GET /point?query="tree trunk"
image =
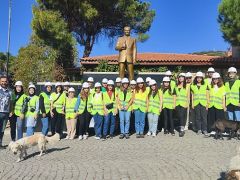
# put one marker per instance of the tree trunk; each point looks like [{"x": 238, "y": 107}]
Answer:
[{"x": 88, "y": 46}]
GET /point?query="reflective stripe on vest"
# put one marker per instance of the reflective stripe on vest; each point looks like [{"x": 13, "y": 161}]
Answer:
[
  {"x": 140, "y": 101},
  {"x": 216, "y": 97},
  {"x": 200, "y": 95},
  {"x": 168, "y": 100},
  {"x": 181, "y": 99}
]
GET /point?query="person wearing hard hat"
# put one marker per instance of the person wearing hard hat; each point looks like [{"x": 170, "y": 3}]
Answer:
[
  {"x": 172, "y": 81},
  {"x": 209, "y": 74},
  {"x": 83, "y": 110},
  {"x": 98, "y": 110},
  {"x": 110, "y": 102},
  {"x": 17, "y": 118},
  {"x": 140, "y": 107},
  {"x": 90, "y": 81},
  {"x": 118, "y": 85},
  {"x": 233, "y": 95},
  {"x": 66, "y": 86},
  {"x": 104, "y": 84},
  {"x": 217, "y": 104},
  {"x": 200, "y": 103},
  {"x": 133, "y": 85},
  {"x": 124, "y": 102},
  {"x": 58, "y": 99},
  {"x": 44, "y": 107},
  {"x": 148, "y": 79},
  {"x": 31, "y": 109},
  {"x": 70, "y": 115},
  {"x": 182, "y": 102},
  {"x": 169, "y": 104},
  {"x": 188, "y": 78},
  {"x": 154, "y": 107}
]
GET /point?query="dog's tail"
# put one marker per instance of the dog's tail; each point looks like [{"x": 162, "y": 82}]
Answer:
[{"x": 55, "y": 138}]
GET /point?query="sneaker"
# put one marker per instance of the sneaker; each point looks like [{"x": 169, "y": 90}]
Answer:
[
  {"x": 225, "y": 134},
  {"x": 205, "y": 133},
  {"x": 85, "y": 136},
  {"x": 111, "y": 137},
  {"x": 212, "y": 133},
  {"x": 181, "y": 133},
  {"x": 199, "y": 132},
  {"x": 141, "y": 135},
  {"x": 137, "y": 135},
  {"x": 127, "y": 136},
  {"x": 173, "y": 133},
  {"x": 149, "y": 133},
  {"x": 165, "y": 131},
  {"x": 97, "y": 138},
  {"x": 80, "y": 137},
  {"x": 104, "y": 138},
  {"x": 153, "y": 134},
  {"x": 67, "y": 137},
  {"x": 121, "y": 136},
  {"x": 108, "y": 136}
]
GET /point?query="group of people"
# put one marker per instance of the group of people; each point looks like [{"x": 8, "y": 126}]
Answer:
[{"x": 198, "y": 102}]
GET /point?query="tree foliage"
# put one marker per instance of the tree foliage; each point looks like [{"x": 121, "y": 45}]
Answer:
[
  {"x": 229, "y": 19},
  {"x": 91, "y": 19},
  {"x": 3, "y": 61}
]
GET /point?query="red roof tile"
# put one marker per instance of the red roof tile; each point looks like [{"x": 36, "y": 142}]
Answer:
[{"x": 166, "y": 59}]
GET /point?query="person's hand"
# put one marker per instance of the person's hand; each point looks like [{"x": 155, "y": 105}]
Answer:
[
  {"x": 21, "y": 116},
  {"x": 44, "y": 115},
  {"x": 35, "y": 116},
  {"x": 52, "y": 114}
]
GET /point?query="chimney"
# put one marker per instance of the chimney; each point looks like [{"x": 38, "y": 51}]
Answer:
[{"x": 236, "y": 51}]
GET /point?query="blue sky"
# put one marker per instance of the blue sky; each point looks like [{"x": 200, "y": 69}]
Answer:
[{"x": 179, "y": 27}]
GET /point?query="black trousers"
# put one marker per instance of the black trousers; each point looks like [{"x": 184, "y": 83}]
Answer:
[
  {"x": 201, "y": 117},
  {"x": 214, "y": 115},
  {"x": 168, "y": 120},
  {"x": 13, "y": 121},
  {"x": 182, "y": 116},
  {"x": 57, "y": 122},
  {"x": 83, "y": 121}
]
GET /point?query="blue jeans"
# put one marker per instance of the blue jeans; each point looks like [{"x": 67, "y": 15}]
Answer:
[
  {"x": 109, "y": 120},
  {"x": 44, "y": 125},
  {"x": 234, "y": 115},
  {"x": 30, "y": 131},
  {"x": 124, "y": 121},
  {"x": 98, "y": 121},
  {"x": 153, "y": 122},
  {"x": 139, "y": 121},
  {"x": 19, "y": 128},
  {"x": 3, "y": 123}
]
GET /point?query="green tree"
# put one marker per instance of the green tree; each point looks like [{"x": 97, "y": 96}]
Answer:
[
  {"x": 229, "y": 19},
  {"x": 90, "y": 19},
  {"x": 50, "y": 29},
  {"x": 3, "y": 61}
]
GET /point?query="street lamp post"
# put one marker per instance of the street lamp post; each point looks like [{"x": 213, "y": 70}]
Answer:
[{"x": 9, "y": 32}]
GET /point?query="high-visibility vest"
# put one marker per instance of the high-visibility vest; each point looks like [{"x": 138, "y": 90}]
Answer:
[
  {"x": 69, "y": 108},
  {"x": 168, "y": 100},
  {"x": 154, "y": 103},
  {"x": 108, "y": 100},
  {"x": 19, "y": 105},
  {"x": 200, "y": 95},
  {"x": 83, "y": 104},
  {"x": 59, "y": 104},
  {"x": 140, "y": 101},
  {"x": 182, "y": 97},
  {"x": 47, "y": 102},
  {"x": 148, "y": 90},
  {"x": 207, "y": 81},
  {"x": 172, "y": 84},
  {"x": 125, "y": 102},
  {"x": 232, "y": 94},
  {"x": 97, "y": 104},
  {"x": 32, "y": 105},
  {"x": 117, "y": 91},
  {"x": 216, "y": 97}
]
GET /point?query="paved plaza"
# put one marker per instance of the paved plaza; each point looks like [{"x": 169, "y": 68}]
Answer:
[{"x": 164, "y": 157}]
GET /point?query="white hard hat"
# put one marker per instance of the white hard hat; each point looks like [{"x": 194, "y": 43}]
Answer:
[
  {"x": 105, "y": 80},
  {"x": 166, "y": 79},
  {"x": 211, "y": 69},
  {"x": 152, "y": 82},
  {"x": 19, "y": 83},
  {"x": 110, "y": 82},
  {"x": 48, "y": 84},
  {"x": 133, "y": 82},
  {"x": 168, "y": 73},
  {"x": 118, "y": 80},
  {"x": 125, "y": 80},
  {"x": 140, "y": 80},
  {"x": 188, "y": 74},
  {"x": 85, "y": 85},
  {"x": 90, "y": 79},
  {"x": 97, "y": 84},
  {"x": 148, "y": 79},
  {"x": 182, "y": 74},
  {"x": 71, "y": 89},
  {"x": 232, "y": 69},
  {"x": 199, "y": 74},
  {"x": 66, "y": 83},
  {"x": 58, "y": 84},
  {"x": 32, "y": 86},
  {"x": 216, "y": 75}
]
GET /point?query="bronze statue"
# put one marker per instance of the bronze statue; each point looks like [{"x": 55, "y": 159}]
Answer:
[{"x": 126, "y": 45}]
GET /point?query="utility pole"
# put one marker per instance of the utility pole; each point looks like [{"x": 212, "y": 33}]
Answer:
[{"x": 9, "y": 33}]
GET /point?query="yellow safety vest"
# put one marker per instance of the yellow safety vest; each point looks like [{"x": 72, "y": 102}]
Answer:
[
  {"x": 47, "y": 102},
  {"x": 216, "y": 97},
  {"x": 97, "y": 104},
  {"x": 140, "y": 101},
  {"x": 32, "y": 104},
  {"x": 125, "y": 102},
  {"x": 108, "y": 100},
  {"x": 69, "y": 108},
  {"x": 232, "y": 94},
  {"x": 154, "y": 103},
  {"x": 200, "y": 95},
  {"x": 168, "y": 100},
  {"x": 19, "y": 105},
  {"x": 59, "y": 104},
  {"x": 182, "y": 97}
]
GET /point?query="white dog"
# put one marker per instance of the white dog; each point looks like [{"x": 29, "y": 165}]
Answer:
[{"x": 23, "y": 144}]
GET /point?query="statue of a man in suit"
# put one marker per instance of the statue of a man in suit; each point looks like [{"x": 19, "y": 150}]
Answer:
[{"x": 126, "y": 45}]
